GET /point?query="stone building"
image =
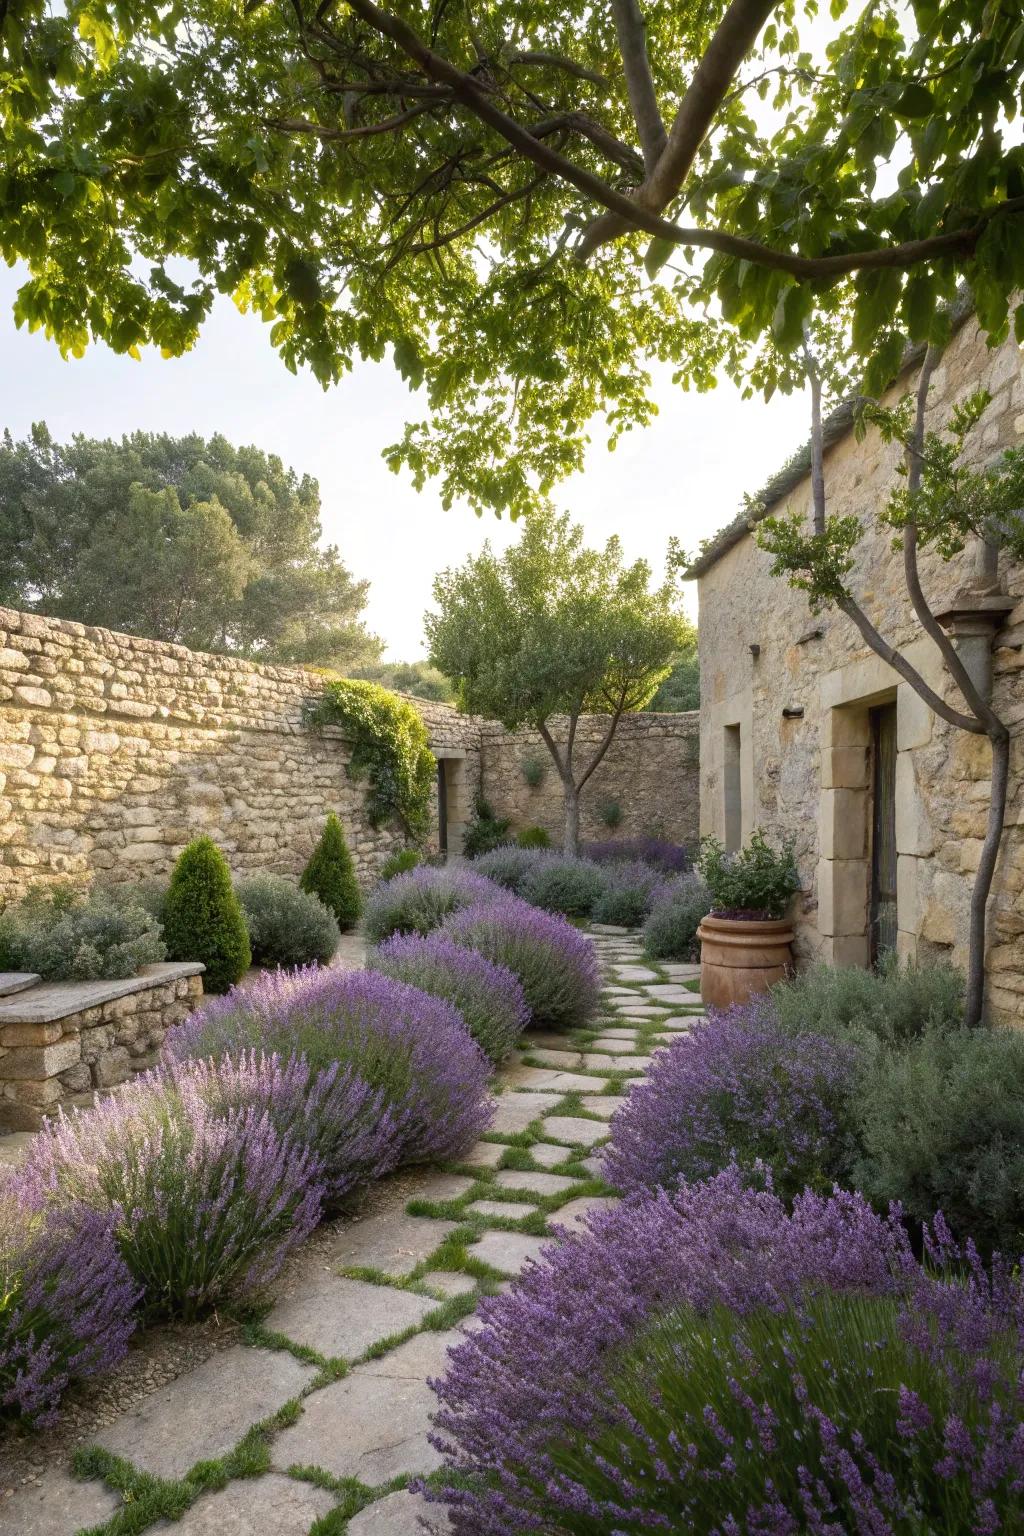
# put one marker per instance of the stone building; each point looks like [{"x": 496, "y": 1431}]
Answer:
[
  {"x": 807, "y": 734},
  {"x": 115, "y": 751}
]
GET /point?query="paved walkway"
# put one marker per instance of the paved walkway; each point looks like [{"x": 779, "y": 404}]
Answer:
[{"x": 319, "y": 1415}]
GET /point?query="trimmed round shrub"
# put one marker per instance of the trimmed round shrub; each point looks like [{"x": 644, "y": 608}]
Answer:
[
  {"x": 670, "y": 858},
  {"x": 349, "y": 1125},
  {"x": 286, "y": 925},
  {"x": 677, "y": 910},
  {"x": 420, "y": 901},
  {"x": 65, "y": 936},
  {"x": 627, "y": 892},
  {"x": 206, "y": 1203},
  {"x": 508, "y": 866},
  {"x": 943, "y": 1129},
  {"x": 564, "y": 885},
  {"x": 66, "y": 1303},
  {"x": 412, "y": 1048},
  {"x": 740, "y": 1089},
  {"x": 538, "y": 1379},
  {"x": 400, "y": 863},
  {"x": 203, "y": 917},
  {"x": 330, "y": 877},
  {"x": 895, "y": 1004},
  {"x": 556, "y": 965},
  {"x": 534, "y": 837},
  {"x": 488, "y": 996}
]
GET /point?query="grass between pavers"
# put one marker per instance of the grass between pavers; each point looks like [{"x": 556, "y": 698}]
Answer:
[{"x": 351, "y": 1494}]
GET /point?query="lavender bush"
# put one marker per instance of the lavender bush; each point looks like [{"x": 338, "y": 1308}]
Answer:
[
  {"x": 556, "y": 965},
  {"x": 353, "y": 1131},
  {"x": 66, "y": 1303},
  {"x": 419, "y": 901},
  {"x": 741, "y": 1089},
  {"x": 670, "y": 858},
  {"x": 628, "y": 889},
  {"x": 560, "y": 883},
  {"x": 488, "y": 996},
  {"x": 411, "y": 1048},
  {"x": 536, "y": 1376},
  {"x": 206, "y": 1202},
  {"x": 509, "y": 866},
  {"x": 677, "y": 909}
]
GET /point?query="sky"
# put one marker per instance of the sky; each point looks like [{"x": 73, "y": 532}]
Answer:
[{"x": 683, "y": 476}]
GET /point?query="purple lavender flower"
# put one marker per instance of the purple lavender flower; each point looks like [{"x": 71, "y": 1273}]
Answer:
[
  {"x": 555, "y": 963},
  {"x": 349, "y": 1125},
  {"x": 533, "y": 1375},
  {"x": 207, "y": 1201},
  {"x": 489, "y": 997},
  {"x": 411, "y": 1048},
  {"x": 419, "y": 901},
  {"x": 670, "y": 858},
  {"x": 740, "y": 1088},
  {"x": 66, "y": 1303}
]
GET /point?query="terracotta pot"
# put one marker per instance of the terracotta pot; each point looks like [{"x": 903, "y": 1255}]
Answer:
[{"x": 739, "y": 957}]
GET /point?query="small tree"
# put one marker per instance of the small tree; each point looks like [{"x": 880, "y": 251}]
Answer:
[
  {"x": 203, "y": 919},
  {"x": 553, "y": 628},
  {"x": 949, "y": 506},
  {"x": 331, "y": 876}
]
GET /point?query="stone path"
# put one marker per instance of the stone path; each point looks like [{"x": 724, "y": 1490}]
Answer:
[{"x": 313, "y": 1423}]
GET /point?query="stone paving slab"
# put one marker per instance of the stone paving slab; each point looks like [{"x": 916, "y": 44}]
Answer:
[
  {"x": 548, "y": 1080},
  {"x": 507, "y": 1251},
  {"x": 390, "y": 1240},
  {"x": 422, "y": 1356},
  {"x": 615, "y": 1046},
  {"x": 670, "y": 992},
  {"x": 581, "y": 1133},
  {"x": 486, "y": 1154},
  {"x": 512, "y": 1210},
  {"x": 399, "y": 1515},
  {"x": 203, "y": 1414},
  {"x": 341, "y": 1318},
  {"x": 604, "y": 1061},
  {"x": 565, "y": 1061},
  {"x": 619, "y": 1034},
  {"x": 372, "y": 1428},
  {"x": 634, "y": 973},
  {"x": 450, "y": 1282},
  {"x": 60, "y": 1506},
  {"x": 54, "y": 1000},
  {"x": 573, "y": 1214},
  {"x": 444, "y": 1186},
  {"x": 535, "y": 1183},
  {"x": 548, "y": 1155},
  {"x": 515, "y": 1111},
  {"x": 260, "y": 1506},
  {"x": 546, "y": 1040},
  {"x": 603, "y": 1104}
]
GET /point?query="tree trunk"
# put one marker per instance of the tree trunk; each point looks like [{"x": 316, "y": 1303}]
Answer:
[
  {"x": 974, "y": 1011},
  {"x": 571, "y": 840}
]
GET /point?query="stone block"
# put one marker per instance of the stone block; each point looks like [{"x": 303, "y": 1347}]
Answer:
[
  {"x": 35, "y": 1063},
  {"x": 908, "y": 892},
  {"x": 849, "y": 949},
  {"x": 842, "y": 824},
  {"x": 842, "y": 896},
  {"x": 400, "y": 1514},
  {"x": 342, "y": 1318},
  {"x": 262, "y": 1506},
  {"x": 31, "y": 1034},
  {"x": 112, "y": 1067},
  {"x": 914, "y": 832},
  {"x": 845, "y": 768},
  {"x": 915, "y": 720}
]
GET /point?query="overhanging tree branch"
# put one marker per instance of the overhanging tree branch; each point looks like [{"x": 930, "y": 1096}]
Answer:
[{"x": 631, "y": 32}]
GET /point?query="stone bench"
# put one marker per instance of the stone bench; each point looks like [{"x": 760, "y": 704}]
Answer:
[{"x": 60, "y": 1041}]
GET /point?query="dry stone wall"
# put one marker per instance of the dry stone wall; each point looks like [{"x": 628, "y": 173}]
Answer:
[
  {"x": 115, "y": 751},
  {"x": 789, "y": 721},
  {"x": 649, "y": 776}
]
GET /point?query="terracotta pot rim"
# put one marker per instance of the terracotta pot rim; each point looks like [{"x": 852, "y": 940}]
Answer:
[{"x": 746, "y": 925}]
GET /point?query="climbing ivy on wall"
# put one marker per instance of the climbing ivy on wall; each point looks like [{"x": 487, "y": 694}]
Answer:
[{"x": 389, "y": 750}]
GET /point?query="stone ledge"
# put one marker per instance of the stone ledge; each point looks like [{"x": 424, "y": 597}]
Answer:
[
  {"x": 17, "y": 981},
  {"x": 59, "y": 999}
]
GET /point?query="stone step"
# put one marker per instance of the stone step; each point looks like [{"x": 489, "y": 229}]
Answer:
[{"x": 17, "y": 981}]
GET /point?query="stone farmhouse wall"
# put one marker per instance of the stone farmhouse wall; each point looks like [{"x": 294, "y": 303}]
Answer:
[
  {"x": 794, "y": 717},
  {"x": 649, "y": 774},
  {"x": 115, "y": 751}
]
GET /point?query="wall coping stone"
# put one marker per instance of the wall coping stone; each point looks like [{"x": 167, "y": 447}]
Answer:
[
  {"x": 17, "y": 981},
  {"x": 59, "y": 999}
]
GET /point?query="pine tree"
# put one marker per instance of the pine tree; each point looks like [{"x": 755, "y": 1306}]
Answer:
[
  {"x": 202, "y": 917},
  {"x": 331, "y": 876}
]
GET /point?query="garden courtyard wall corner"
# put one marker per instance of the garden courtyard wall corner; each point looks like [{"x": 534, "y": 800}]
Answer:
[{"x": 115, "y": 751}]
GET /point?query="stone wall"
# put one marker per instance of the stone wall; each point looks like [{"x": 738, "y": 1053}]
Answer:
[
  {"x": 61, "y": 1042},
  {"x": 115, "y": 751},
  {"x": 649, "y": 774},
  {"x": 786, "y": 729}
]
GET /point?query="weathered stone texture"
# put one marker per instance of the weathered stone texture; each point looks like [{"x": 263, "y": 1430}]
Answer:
[
  {"x": 649, "y": 773},
  {"x": 64, "y": 1060},
  {"x": 115, "y": 751},
  {"x": 808, "y": 776}
]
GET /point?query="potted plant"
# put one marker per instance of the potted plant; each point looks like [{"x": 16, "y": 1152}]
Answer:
[{"x": 746, "y": 938}]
